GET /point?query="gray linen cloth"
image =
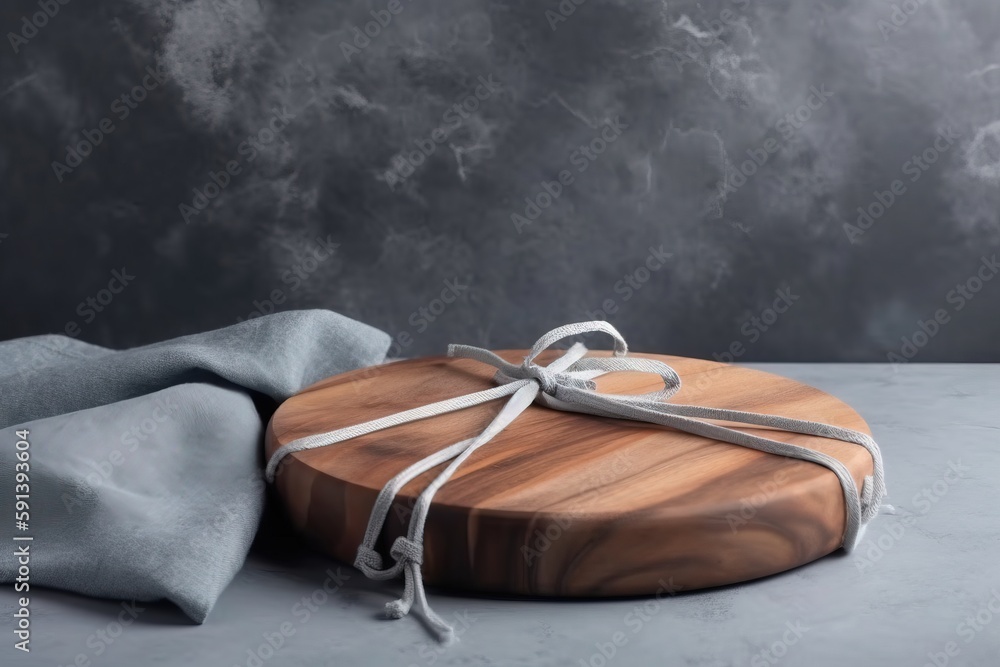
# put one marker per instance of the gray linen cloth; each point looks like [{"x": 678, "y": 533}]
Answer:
[{"x": 145, "y": 464}]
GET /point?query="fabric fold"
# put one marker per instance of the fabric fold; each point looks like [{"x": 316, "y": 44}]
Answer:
[{"x": 144, "y": 470}]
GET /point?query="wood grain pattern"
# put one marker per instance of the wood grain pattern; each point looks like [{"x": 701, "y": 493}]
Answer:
[{"x": 564, "y": 504}]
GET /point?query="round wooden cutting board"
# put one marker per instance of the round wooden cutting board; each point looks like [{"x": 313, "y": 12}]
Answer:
[{"x": 567, "y": 504}]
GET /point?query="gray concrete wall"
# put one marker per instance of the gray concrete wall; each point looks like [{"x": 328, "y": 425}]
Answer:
[{"x": 710, "y": 154}]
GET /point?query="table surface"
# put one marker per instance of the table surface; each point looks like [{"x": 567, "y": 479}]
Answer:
[{"x": 922, "y": 588}]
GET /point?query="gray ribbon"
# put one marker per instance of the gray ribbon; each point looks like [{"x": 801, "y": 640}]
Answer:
[{"x": 567, "y": 384}]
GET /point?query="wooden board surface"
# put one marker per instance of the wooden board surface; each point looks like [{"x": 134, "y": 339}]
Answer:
[{"x": 565, "y": 504}]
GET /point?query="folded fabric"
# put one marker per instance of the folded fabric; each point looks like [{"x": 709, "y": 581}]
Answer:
[{"x": 143, "y": 473}]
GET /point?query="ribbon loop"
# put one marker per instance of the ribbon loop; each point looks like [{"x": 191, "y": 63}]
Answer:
[
  {"x": 368, "y": 558},
  {"x": 577, "y": 329},
  {"x": 567, "y": 384}
]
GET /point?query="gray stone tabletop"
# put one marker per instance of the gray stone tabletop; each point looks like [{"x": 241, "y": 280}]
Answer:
[{"x": 923, "y": 588}]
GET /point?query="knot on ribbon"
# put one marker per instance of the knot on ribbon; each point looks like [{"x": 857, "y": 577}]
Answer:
[
  {"x": 407, "y": 551},
  {"x": 567, "y": 384},
  {"x": 546, "y": 378}
]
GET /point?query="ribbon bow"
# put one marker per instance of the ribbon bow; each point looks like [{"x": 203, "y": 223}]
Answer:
[{"x": 567, "y": 384}]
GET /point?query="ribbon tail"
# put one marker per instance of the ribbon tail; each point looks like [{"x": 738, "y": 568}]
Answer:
[
  {"x": 441, "y": 628},
  {"x": 401, "y": 607},
  {"x": 413, "y": 591},
  {"x": 567, "y": 384}
]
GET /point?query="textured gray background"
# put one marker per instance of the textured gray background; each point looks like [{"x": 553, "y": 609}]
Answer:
[{"x": 690, "y": 120}]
